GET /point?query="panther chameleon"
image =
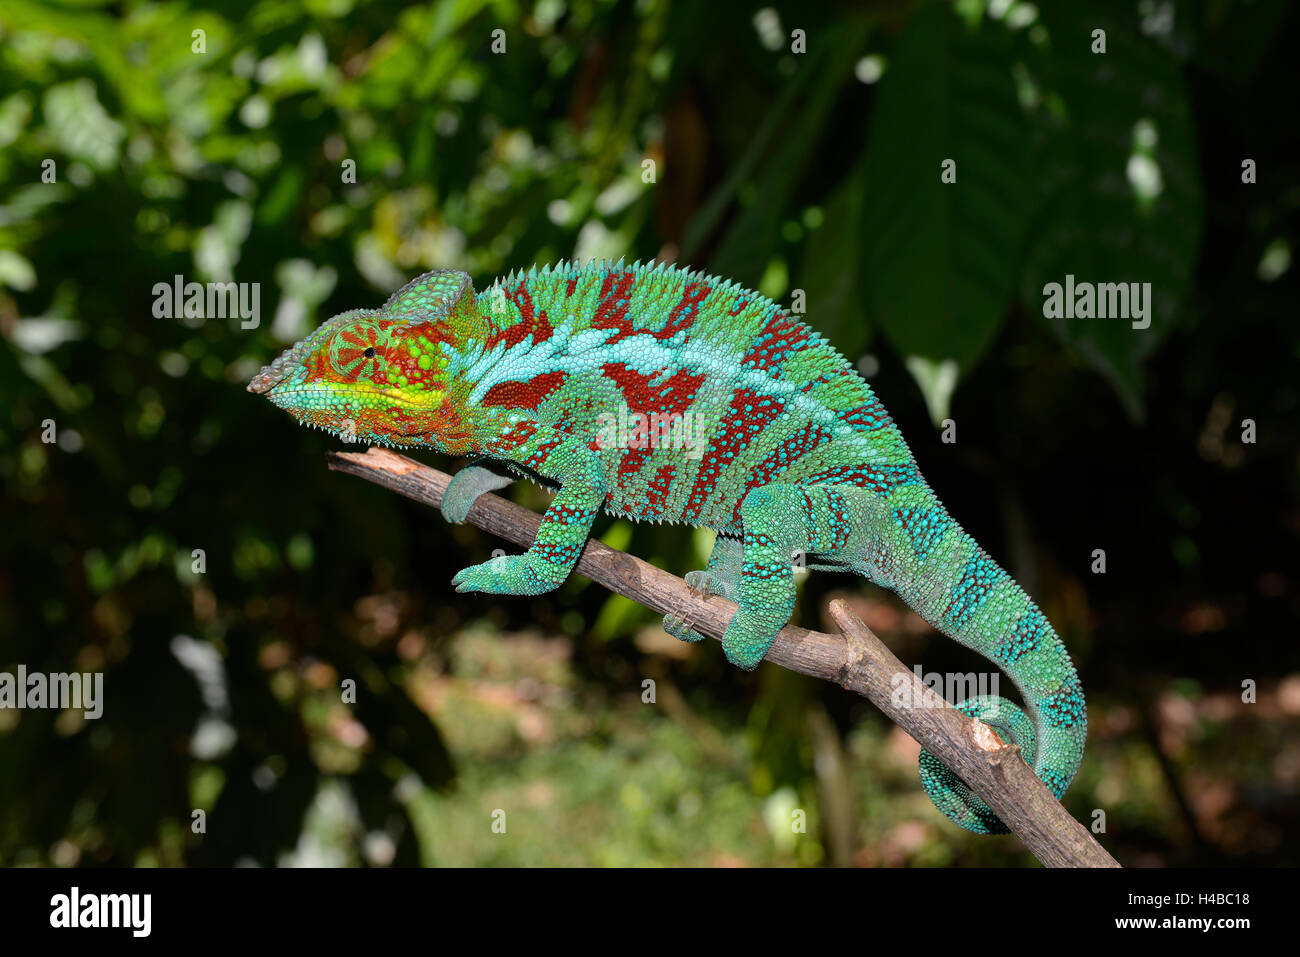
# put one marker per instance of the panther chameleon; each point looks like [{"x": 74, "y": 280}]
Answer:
[{"x": 798, "y": 457}]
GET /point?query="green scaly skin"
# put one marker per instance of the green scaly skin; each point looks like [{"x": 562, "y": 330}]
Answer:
[{"x": 794, "y": 454}]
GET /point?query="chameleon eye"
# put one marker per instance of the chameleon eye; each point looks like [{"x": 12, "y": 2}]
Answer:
[{"x": 357, "y": 350}]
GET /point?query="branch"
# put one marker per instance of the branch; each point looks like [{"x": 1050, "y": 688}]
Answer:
[{"x": 857, "y": 661}]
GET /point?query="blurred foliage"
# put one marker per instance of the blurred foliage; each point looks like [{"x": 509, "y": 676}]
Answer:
[{"x": 134, "y": 150}]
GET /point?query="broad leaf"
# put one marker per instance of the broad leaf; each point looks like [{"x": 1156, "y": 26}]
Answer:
[
  {"x": 940, "y": 259},
  {"x": 1119, "y": 189}
]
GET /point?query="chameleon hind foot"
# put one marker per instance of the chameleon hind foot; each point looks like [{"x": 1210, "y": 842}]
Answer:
[
  {"x": 561, "y": 534},
  {"x": 718, "y": 578},
  {"x": 778, "y": 520},
  {"x": 753, "y": 630},
  {"x": 701, "y": 583}
]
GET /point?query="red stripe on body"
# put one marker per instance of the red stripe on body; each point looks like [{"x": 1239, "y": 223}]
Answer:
[
  {"x": 673, "y": 396},
  {"x": 657, "y": 492},
  {"x": 631, "y": 464},
  {"x": 748, "y": 415},
  {"x": 526, "y": 394},
  {"x": 513, "y": 437},
  {"x": 615, "y": 300},
  {"x": 686, "y": 311},
  {"x": 782, "y": 457},
  {"x": 780, "y": 335},
  {"x": 530, "y": 321}
]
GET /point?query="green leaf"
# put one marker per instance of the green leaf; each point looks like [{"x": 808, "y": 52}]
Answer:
[
  {"x": 80, "y": 126},
  {"x": 1119, "y": 189},
  {"x": 939, "y": 259},
  {"x": 831, "y": 271},
  {"x": 753, "y": 234},
  {"x": 937, "y": 381},
  {"x": 16, "y": 272}
]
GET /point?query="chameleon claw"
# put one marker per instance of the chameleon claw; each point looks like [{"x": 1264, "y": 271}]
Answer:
[{"x": 680, "y": 629}]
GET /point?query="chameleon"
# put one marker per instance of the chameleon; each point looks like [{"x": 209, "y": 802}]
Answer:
[{"x": 662, "y": 394}]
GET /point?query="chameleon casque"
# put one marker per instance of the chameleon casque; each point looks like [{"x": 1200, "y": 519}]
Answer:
[{"x": 797, "y": 456}]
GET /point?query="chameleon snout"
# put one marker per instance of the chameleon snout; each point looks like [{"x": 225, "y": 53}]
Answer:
[{"x": 267, "y": 378}]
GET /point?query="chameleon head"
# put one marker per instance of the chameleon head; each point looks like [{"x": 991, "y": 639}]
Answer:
[{"x": 369, "y": 376}]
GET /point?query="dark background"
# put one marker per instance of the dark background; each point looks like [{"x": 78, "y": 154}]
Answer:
[{"x": 815, "y": 171}]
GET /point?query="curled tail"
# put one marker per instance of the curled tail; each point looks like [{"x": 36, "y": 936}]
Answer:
[{"x": 940, "y": 571}]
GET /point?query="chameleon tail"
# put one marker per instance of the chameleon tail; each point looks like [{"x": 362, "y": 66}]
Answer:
[{"x": 964, "y": 594}]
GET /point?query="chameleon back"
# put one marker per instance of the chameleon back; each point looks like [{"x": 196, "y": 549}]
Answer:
[{"x": 695, "y": 390}]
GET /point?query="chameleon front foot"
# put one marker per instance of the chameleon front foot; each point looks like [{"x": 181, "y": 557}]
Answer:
[
  {"x": 466, "y": 486},
  {"x": 506, "y": 575}
]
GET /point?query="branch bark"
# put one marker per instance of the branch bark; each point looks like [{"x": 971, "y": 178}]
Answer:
[{"x": 855, "y": 660}]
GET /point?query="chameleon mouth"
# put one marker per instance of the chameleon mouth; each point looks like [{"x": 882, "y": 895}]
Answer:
[
  {"x": 366, "y": 425},
  {"x": 321, "y": 398}
]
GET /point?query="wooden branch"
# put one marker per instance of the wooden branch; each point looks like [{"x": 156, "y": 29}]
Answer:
[{"x": 857, "y": 661}]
